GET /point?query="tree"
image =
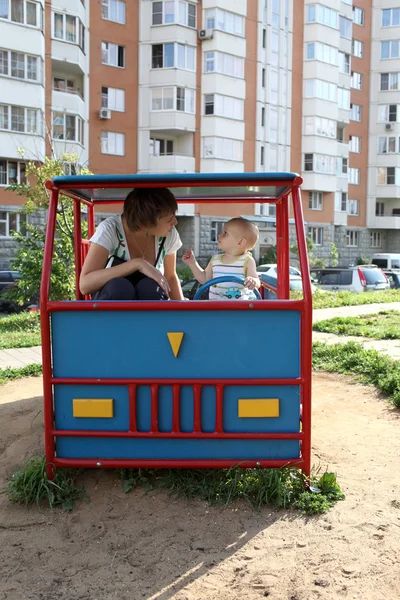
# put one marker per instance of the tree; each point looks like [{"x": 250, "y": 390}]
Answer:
[
  {"x": 334, "y": 255},
  {"x": 29, "y": 255}
]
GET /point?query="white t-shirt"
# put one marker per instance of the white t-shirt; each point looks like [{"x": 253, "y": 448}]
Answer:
[{"x": 110, "y": 234}]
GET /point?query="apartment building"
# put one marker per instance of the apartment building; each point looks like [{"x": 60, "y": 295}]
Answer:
[{"x": 172, "y": 86}]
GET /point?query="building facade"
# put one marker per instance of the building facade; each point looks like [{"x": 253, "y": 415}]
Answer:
[{"x": 179, "y": 86}]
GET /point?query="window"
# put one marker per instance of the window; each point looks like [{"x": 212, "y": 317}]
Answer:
[
  {"x": 316, "y": 235},
  {"x": 343, "y": 165},
  {"x": 355, "y": 144},
  {"x": 112, "y": 55},
  {"x": 262, "y": 152},
  {"x": 386, "y": 145},
  {"x": 20, "y": 119},
  {"x": 112, "y": 143},
  {"x": 320, "y": 126},
  {"x": 113, "y": 10},
  {"x": 343, "y": 98},
  {"x": 263, "y": 78},
  {"x": 67, "y": 127},
  {"x": 223, "y": 20},
  {"x": 379, "y": 209},
  {"x": 20, "y": 66},
  {"x": 351, "y": 238},
  {"x": 11, "y": 171},
  {"x": 173, "y": 98},
  {"x": 341, "y": 201},
  {"x": 353, "y": 208},
  {"x": 26, "y": 12},
  {"x": 264, "y": 38},
  {"x": 275, "y": 13},
  {"x": 340, "y": 132},
  {"x": 223, "y": 106},
  {"x": 354, "y": 176},
  {"x": 223, "y": 148},
  {"x": 226, "y": 64},
  {"x": 355, "y": 112},
  {"x": 263, "y": 116},
  {"x": 64, "y": 85},
  {"x": 358, "y": 15},
  {"x": 11, "y": 221},
  {"x": 357, "y": 48},
  {"x": 320, "y": 163},
  {"x": 322, "y": 52},
  {"x": 390, "y": 17},
  {"x": 387, "y": 176},
  {"x": 316, "y": 88},
  {"x": 376, "y": 239},
  {"x": 161, "y": 147},
  {"x": 345, "y": 26},
  {"x": 174, "y": 11},
  {"x": 216, "y": 229},
  {"x": 113, "y": 98},
  {"x": 315, "y": 200},
  {"x": 344, "y": 63},
  {"x": 356, "y": 80},
  {"x": 387, "y": 113},
  {"x": 390, "y": 49},
  {"x": 317, "y": 13},
  {"x": 389, "y": 81},
  {"x": 166, "y": 56},
  {"x": 69, "y": 29}
]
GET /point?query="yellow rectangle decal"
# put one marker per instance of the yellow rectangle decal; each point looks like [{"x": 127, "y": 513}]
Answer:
[
  {"x": 102, "y": 408},
  {"x": 258, "y": 407}
]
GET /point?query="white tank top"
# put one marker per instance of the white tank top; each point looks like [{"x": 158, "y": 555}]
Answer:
[{"x": 230, "y": 290}]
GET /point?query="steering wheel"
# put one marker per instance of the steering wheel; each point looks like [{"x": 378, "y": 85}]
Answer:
[{"x": 224, "y": 278}]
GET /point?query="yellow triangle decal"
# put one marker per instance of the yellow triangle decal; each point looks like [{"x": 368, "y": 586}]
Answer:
[{"x": 175, "y": 339}]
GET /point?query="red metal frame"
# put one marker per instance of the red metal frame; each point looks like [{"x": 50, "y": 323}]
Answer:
[{"x": 283, "y": 303}]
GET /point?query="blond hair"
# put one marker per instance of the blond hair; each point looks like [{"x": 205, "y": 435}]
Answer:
[{"x": 247, "y": 230}]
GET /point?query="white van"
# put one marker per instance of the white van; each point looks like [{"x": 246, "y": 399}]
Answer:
[{"x": 386, "y": 261}]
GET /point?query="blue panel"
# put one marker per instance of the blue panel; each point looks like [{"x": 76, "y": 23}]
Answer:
[
  {"x": 186, "y": 409},
  {"x": 289, "y": 409},
  {"x": 165, "y": 408},
  {"x": 216, "y": 344},
  {"x": 143, "y": 408},
  {"x": 176, "y": 449},
  {"x": 208, "y": 408},
  {"x": 64, "y": 419}
]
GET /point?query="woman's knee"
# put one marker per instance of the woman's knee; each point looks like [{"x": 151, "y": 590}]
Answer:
[
  {"x": 148, "y": 289},
  {"x": 118, "y": 288}
]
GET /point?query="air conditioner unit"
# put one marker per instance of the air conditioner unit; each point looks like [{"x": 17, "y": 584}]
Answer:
[
  {"x": 105, "y": 113},
  {"x": 205, "y": 34},
  {"x": 389, "y": 126}
]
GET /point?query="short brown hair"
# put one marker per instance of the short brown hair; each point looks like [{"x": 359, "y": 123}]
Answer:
[
  {"x": 247, "y": 229},
  {"x": 143, "y": 207}
]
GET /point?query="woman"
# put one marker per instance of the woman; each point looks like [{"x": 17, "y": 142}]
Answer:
[{"x": 143, "y": 242}]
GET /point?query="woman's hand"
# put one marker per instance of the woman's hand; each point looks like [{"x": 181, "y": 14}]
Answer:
[
  {"x": 188, "y": 257},
  {"x": 149, "y": 271}
]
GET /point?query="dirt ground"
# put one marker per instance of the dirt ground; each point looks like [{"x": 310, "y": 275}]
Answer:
[{"x": 136, "y": 546}]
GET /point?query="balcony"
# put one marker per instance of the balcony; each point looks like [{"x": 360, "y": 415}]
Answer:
[
  {"x": 386, "y": 221},
  {"x": 172, "y": 122},
  {"x": 172, "y": 163}
]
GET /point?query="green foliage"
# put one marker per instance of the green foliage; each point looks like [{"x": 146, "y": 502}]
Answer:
[
  {"x": 20, "y": 331},
  {"x": 369, "y": 365},
  {"x": 184, "y": 273},
  {"x": 382, "y": 326},
  {"x": 334, "y": 255},
  {"x": 6, "y": 375},
  {"x": 30, "y": 485},
  {"x": 314, "y": 262},
  {"x": 363, "y": 260},
  {"x": 280, "y": 488},
  {"x": 269, "y": 257},
  {"x": 29, "y": 255}
]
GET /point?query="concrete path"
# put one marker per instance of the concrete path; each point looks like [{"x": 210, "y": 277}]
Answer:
[{"x": 21, "y": 357}]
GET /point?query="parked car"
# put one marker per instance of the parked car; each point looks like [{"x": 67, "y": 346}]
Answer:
[
  {"x": 386, "y": 261},
  {"x": 364, "y": 278},
  {"x": 271, "y": 285},
  {"x": 7, "y": 281},
  {"x": 190, "y": 287},
  {"x": 272, "y": 269},
  {"x": 393, "y": 277}
]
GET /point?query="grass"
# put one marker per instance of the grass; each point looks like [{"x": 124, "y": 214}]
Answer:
[
  {"x": 281, "y": 488},
  {"x": 336, "y": 299},
  {"x": 6, "y": 375},
  {"x": 384, "y": 325},
  {"x": 369, "y": 366},
  {"x": 30, "y": 485},
  {"x": 20, "y": 331}
]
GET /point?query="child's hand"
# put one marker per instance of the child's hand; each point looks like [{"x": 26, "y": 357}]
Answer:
[
  {"x": 188, "y": 257},
  {"x": 252, "y": 282}
]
